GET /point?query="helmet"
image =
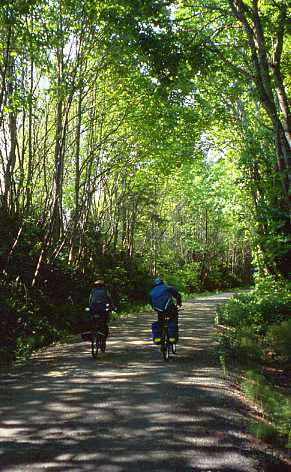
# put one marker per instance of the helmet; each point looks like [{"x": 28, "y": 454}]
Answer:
[
  {"x": 99, "y": 282},
  {"x": 158, "y": 281}
]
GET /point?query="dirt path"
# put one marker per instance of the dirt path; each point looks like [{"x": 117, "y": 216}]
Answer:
[{"x": 129, "y": 410}]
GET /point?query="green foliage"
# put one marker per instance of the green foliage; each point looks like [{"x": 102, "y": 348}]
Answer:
[
  {"x": 259, "y": 320},
  {"x": 30, "y": 318},
  {"x": 185, "y": 278},
  {"x": 263, "y": 431},
  {"x": 268, "y": 303},
  {"x": 275, "y": 405},
  {"x": 202, "y": 241},
  {"x": 246, "y": 343},
  {"x": 259, "y": 326},
  {"x": 165, "y": 164},
  {"x": 278, "y": 339}
]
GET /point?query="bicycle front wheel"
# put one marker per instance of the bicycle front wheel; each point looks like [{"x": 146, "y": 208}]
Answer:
[{"x": 174, "y": 348}]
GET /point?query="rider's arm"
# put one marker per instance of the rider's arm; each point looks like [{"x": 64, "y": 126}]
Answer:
[
  {"x": 179, "y": 299},
  {"x": 151, "y": 301},
  {"x": 112, "y": 305},
  {"x": 176, "y": 295}
]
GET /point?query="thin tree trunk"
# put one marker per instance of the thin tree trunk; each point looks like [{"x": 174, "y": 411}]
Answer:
[
  {"x": 57, "y": 210},
  {"x": 8, "y": 178},
  {"x": 30, "y": 147}
]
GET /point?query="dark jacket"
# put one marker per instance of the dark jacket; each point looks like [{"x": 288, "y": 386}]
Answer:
[
  {"x": 161, "y": 297},
  {"x": 100, "y": 296}
]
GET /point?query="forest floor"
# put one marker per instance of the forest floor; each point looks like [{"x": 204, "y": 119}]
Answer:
[{"x": 129, "y": 411}]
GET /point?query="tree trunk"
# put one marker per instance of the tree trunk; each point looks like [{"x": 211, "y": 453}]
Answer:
[
  {"x": 262, "y": 68},
  {"x": 57, "y": 210},
  {"x": 11, "y": 161}
]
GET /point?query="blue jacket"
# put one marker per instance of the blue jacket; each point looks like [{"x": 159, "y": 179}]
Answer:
[{"x": 161, "y": 297}]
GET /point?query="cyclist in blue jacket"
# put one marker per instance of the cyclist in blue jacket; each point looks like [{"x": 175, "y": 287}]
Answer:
[
  {"x": 101, "y": 305},
  {"x": 161, "y": 299}
]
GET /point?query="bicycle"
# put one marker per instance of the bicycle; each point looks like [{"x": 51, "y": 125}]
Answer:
[
  {"x": 95, "y": 335},
  {"x": 167, "y": 344},
  {"x": 98, "y": 342}
]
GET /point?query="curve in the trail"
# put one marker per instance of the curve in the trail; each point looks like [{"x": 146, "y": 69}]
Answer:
[{"x": 129, "y": 411}]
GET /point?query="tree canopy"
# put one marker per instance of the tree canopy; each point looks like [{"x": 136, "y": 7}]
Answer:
[{"x": 144, "y": 137}]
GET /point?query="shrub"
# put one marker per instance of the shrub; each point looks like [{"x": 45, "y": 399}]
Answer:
[
  {"x": 241, "y": 310},
  {"x": 264, "y": 305},
  {"x": 278, "y": 339},
  {"x": 186, "y": 279},
  {"x": 263, "y": 431},
  {"x": 274, "y": 404},
  {"x": 258, "y": 319},
  {"x": 248, "y": 344}
]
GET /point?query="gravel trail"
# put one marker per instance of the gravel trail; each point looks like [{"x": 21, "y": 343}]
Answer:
[{"x": 129, "y": 411}]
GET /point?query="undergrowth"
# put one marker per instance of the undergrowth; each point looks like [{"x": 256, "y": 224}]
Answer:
[
  {"x": 255, "y": 328},
  {"x": 275, "y": 405}
]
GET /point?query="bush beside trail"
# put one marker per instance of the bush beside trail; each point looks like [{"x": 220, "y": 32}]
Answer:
[
  {"x": 259, "y": 322},
  {"x": 255, "y": 329}
]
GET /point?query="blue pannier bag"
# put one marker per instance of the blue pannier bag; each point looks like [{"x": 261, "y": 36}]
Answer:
[
  {"x": 173, "y": 331},
  {"x": 156, "y": 332}
]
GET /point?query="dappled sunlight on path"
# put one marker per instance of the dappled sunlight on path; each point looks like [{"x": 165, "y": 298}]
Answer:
[{"x": 129, "y": 410}]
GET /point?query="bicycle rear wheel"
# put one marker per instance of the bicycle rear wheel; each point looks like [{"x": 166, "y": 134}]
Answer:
[
  {"x": 95, "y": 345},
  {"x": 165, "y": 346},
  {"x": 103, "y": 343},
  {"x": 166, "y": 352}
]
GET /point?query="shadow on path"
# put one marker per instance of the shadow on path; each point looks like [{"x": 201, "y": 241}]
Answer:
[{"x": 129, "y": 410}]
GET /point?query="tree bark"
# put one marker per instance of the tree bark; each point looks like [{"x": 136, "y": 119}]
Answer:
[{"x": 266, "y": 91}]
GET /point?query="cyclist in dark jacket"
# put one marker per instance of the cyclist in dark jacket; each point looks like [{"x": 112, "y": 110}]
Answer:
[
  {"x": 101, "y": 305},
  {"x": 161, "y": 299}
]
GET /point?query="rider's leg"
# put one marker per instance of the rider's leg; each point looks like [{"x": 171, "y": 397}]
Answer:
[
  {"x": 94, "y": 317},
  {"x": 173, "y": 315},
  {"x": 103, "y": 328},
  {"x": 161, "y": 323},
  {"x": 103, "y": 324},
  {"x": 161, "y": 318}
]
